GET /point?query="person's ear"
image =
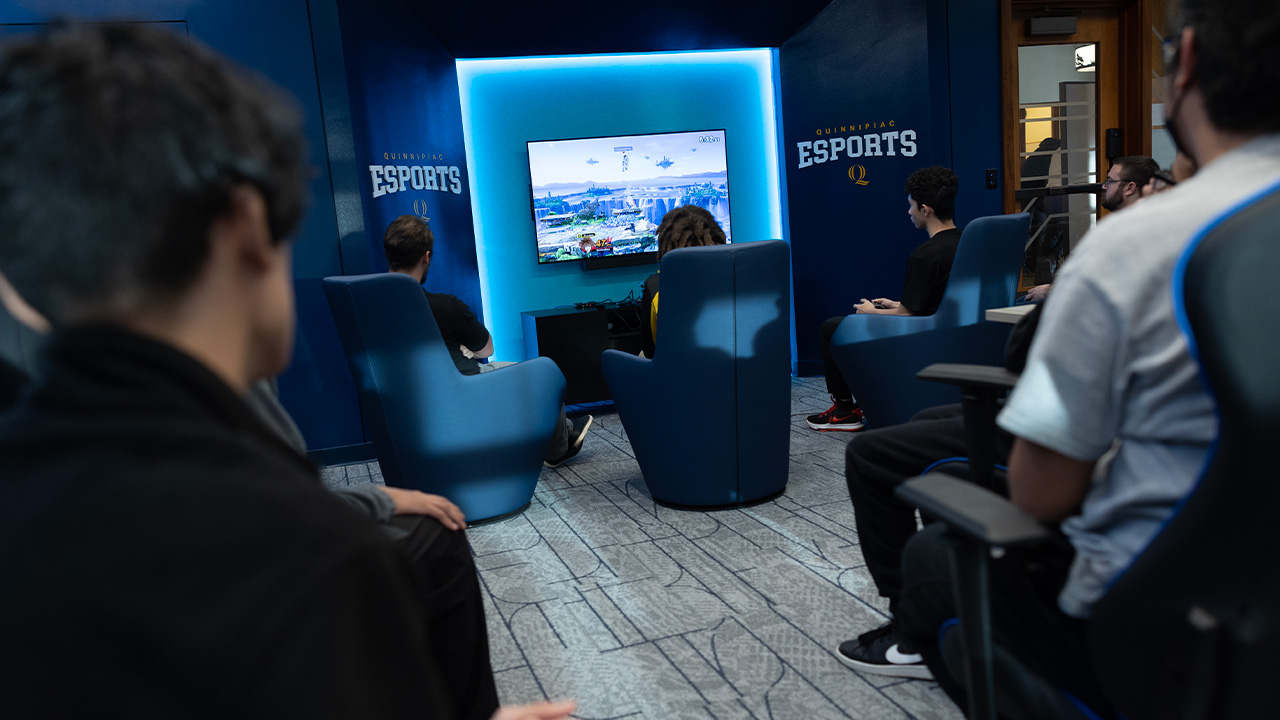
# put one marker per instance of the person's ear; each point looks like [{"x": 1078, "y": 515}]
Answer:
[
  {"x": 246, "y": 220},
  {"x": 1188, "y": 58},
  {"x": 925, "y": 209}
]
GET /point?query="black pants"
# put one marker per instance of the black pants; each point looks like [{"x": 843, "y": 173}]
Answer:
[
  {"x": 836, "y": 384},
  {"x": 456, "y": 629},
  {"x": 877, "y": 461},
  {"x": 1028, "y": 629}
]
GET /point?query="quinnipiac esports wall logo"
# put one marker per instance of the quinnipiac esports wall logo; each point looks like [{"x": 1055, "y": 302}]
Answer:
[
  {"x": 390, "y": 177},
  {"x": 859, "y": 141}
]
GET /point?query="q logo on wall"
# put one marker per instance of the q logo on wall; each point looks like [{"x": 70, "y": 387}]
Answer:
[
  {"x": 420, "y": 209},
  {"x": 858, "y": 174}
]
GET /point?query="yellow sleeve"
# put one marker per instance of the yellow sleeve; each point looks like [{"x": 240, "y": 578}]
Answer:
[{"x": 653, "y": 316}]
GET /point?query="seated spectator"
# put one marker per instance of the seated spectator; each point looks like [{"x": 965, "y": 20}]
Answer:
[
  {"x": 1112, "y": 420},
  {"x": 931, "y": 202},
  {"x": 408, "y": 243},
  {"x": 876, "y": 462},
  {"x": 159, "y": 544},
  {"x": 1125, "y": 185},
  {"x": 682, "y": 227}
]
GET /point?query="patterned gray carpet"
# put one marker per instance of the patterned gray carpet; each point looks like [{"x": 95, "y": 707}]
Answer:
[{"x": 639, "y": 611}]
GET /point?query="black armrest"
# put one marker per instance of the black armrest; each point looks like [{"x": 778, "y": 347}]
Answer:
[
  {"x": 976, "y": 376},
  {"x": 971, "y": 510},
  {"x": 981, "y": 387}
]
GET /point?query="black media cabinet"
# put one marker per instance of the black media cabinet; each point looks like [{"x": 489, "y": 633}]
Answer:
[{"x": 575, "y": 337}]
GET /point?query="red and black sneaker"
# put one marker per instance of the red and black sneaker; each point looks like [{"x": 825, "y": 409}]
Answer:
[{"x": 840, "y": 416}]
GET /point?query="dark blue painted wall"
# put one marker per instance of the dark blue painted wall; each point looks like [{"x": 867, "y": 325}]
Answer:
[
  {"x": 858, "y": 118},
  {"x": 274, "y": 39},
  {"x": 931, "y": 66},
  {"x": 971, "y": 29},
  {"x": 406, "y": 120},
  {"x": 863, "y": 69}
]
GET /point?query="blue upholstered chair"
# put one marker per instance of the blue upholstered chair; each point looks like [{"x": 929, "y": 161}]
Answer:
[
  {"x": 709, "y": 416},
  {"x": 880, "y": 355},
  {"x": 478, "y": 440}
]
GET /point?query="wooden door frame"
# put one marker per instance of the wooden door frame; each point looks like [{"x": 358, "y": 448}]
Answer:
[{"x": 1130, "y": 101}]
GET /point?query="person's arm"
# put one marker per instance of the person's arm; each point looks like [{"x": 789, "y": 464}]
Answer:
[
  {"x": 1039, "y": 292},
  {"x": 483, "y": 352},
  {"x": 367, "y": 604},
  {"x": 370, "y": 500},
  {"x": 416, "y": 502},
  {"x": 475, "y": 339},
  {"x": 888, "y": 307},
  {"x": 1047, "y": 484}
]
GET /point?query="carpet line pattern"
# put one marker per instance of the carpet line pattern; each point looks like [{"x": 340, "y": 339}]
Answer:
[{"x": 639, "y": 611}]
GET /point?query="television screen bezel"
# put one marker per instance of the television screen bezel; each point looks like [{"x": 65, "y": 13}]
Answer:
[{"x": 642, "y": 258}]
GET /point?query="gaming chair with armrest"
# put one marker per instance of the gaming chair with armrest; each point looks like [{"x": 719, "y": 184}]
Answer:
[
  {"x": 709, "y": 416},
  {"x": 478, "y": 440},
  {"x": 879, "y": 355},
  {"x": 1192, "y": 628}
]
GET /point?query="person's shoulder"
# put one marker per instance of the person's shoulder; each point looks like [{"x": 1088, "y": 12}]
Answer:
[
  {"x": 452, "y": 303},
  {"x": 940, "y": 244}
]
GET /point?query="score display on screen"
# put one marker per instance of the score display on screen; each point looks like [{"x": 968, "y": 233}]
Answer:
[{"x": 602, "y": 197}]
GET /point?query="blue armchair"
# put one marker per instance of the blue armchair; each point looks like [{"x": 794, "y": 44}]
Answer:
[
  {"x": 478, "y": 440},
  {"x": 709, "y": 416},
  {"x": 880, "y": 355}
]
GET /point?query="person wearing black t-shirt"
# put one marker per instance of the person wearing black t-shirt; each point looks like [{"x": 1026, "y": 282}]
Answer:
[
  {"x": 931, "y": 200},
  {"x": 407, "y": 244}
]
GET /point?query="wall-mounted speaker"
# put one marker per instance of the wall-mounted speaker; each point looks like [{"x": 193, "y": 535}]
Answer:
[
  {"x": 1052, "y": 25},
  {"x": 1114, "y": 144}
]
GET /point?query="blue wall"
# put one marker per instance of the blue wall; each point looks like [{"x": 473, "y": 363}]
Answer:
[
  {"x": 858, "y": 100},
  {"x": 971, "y": 67},
  {"x": 931, "y": 67},
  {"x": 507, "y": 102},
  {"x": 405, "y": 113},
  {"x": 934, "y": 61},
  {"x": 273, "y": 39}
]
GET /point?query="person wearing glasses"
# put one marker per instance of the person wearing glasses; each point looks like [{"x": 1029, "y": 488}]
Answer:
[
  {"x": 1125, "y": 185},
  {"x": 1111, "y": 418},
  {"x": 1126, "y": 180}
]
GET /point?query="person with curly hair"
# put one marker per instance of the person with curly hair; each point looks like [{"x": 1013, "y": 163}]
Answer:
[
  {"x": 931, "y": 202},
  {"x": 683, "y": 227}
]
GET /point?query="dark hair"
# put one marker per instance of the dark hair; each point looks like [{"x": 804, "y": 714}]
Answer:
[
  {"x": 406, "y": 240},
  {"x": 1136, "y": 169},
  {"x": 119, "y": 148},
  {"x": 1238, "y": 60},
  {"x": 936, "y": 187},
  {"x": 688, "y": 226}
]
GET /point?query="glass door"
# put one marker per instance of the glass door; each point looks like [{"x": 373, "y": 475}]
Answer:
[{"x": 1057, "y": 151}]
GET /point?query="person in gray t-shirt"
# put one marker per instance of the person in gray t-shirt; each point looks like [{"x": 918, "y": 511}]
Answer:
[{"x": 1112, "y": 422}]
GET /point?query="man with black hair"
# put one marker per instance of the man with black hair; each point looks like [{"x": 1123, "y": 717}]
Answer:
[
  {"x": 1125, "y": 185},
  {"x": 1125, "y": 181},
  {"x": 931, "y": 203},
  {"x": 1112, "y": 422},
  {"x": 158, "y": 543},
  {"x": 407, "y": 244},
  {"x": 876, "y": 463}
]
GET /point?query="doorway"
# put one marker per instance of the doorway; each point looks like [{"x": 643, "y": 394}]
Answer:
[{"x": 1066, "y": 82}]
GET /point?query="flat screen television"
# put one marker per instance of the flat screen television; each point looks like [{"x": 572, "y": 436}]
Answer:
[{"x": 596, "y": 198}]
